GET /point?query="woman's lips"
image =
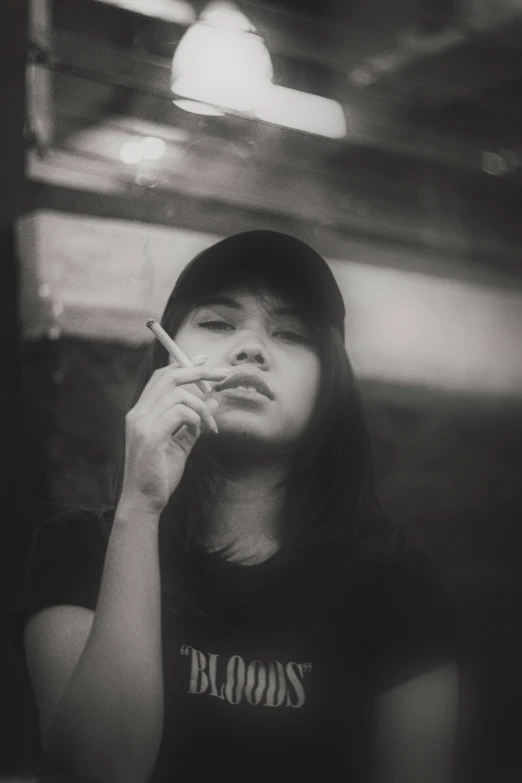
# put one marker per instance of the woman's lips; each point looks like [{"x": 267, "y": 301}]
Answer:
[
  {"x": 244, "y": 394},
  {"x": 246, "y": 382}
]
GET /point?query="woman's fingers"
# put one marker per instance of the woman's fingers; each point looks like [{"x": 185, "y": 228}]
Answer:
[
  {"x": 167, "y": 379},
  {"x": 181, "y": 395},
  {"x": 184, "y": 375},
  {"x": 196, "y": 360},
  {"x": 186, "y": 397},
  {"x": 163, "y": 426},
  {"x": 177, "y": 423}
]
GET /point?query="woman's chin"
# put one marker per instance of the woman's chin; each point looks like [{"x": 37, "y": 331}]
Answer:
[
  {"x": 247, "y": 443},
  {"x": 236, "y": 434},
  {"x": 241, "y": 432}
]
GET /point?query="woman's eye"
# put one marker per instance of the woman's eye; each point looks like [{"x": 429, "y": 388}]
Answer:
[
  {"x": 216, "y": 325},
  {"x": 292, "y": 337}
]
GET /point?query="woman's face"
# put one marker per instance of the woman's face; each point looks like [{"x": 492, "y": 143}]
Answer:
[{"x": 270, "y": 394}]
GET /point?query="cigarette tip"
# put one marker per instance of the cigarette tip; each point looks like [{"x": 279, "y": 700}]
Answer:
[{"x": 151, "y": 321}]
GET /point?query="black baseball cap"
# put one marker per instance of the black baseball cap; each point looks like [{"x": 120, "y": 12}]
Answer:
[{"x": 279, "y": 261}]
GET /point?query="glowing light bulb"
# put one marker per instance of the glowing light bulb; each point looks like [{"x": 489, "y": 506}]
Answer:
[
  {"x": 152, "y": 148},
  {"x": 131, "y": 152}
]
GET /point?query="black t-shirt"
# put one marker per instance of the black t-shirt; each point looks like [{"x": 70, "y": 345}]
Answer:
[{"x": 246, "y": 697}]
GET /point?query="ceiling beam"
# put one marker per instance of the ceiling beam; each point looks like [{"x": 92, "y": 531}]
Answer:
[
  {"x": 428, "y": 244},
  {"x": 453, "y": 64}
]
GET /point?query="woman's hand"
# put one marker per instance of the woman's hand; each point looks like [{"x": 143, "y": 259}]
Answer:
[{"x": 160, "y": 432}]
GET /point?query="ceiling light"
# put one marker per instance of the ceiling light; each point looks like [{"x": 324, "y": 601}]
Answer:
[
  {"x": 303, "y": 111},
  {"x": 198, "y": 108},
  {"x": 222, "y": 63}
]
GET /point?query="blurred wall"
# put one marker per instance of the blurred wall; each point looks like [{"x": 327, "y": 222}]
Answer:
[{"x": 99, "y": 278}]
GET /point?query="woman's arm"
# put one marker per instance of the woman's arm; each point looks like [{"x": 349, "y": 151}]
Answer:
[
  {"x": 416, "y": 726},
  {"x": 102, "y": 710},
  {"x": 98, "y": 676}
]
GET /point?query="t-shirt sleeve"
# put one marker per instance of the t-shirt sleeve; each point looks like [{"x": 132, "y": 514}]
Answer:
[
  {"x": 65, "y": 567},
  {"x": 408, "y": 623}
]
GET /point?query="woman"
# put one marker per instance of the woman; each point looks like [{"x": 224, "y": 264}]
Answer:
[{"x": 244, "y": 610}]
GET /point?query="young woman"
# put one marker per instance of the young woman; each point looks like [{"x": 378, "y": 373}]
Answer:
[{"x": 244, "y": 611}]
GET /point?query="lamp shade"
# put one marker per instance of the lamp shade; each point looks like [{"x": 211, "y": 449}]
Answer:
[{"x": 222, "y": 63}]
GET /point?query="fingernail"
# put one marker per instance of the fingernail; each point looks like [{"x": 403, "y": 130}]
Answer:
[
  {"x": 215, "y": 426},
  {"x": 199, "y": 359}
]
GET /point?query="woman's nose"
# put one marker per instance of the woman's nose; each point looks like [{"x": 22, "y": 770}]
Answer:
[{"x": 249, "y": 350}]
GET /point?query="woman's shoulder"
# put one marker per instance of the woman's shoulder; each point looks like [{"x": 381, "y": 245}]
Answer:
[
  {"x": 377, "y": 551},
  {"x": 398, "y": 574},
  {"x": 65, "y": 565},
  {"x": 385, "y": 558},
  {"x": 390, "y": 582}
]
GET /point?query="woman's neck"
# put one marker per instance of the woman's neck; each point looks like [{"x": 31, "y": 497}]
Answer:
[{"x": 247, "y": 510}]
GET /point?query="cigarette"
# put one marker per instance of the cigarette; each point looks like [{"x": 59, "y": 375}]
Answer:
[{"x": 175, "y": 351}]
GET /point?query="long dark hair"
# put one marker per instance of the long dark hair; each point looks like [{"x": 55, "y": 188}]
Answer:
[{"x": 330, "y": 495}]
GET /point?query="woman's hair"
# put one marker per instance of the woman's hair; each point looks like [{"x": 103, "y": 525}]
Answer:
[{"x": 329, "y": 489}]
